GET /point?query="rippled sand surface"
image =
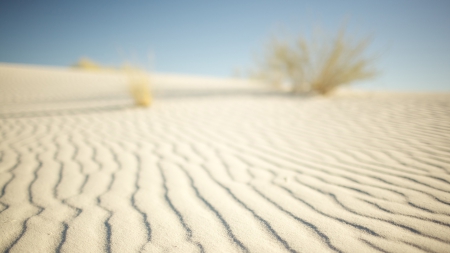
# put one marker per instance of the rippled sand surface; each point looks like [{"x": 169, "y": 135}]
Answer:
[{"x": 211, "y": 167}]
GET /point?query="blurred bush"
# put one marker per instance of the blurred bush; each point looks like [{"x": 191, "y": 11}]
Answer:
[
  {"x": 318, "y": 65},
  {"x": 139, "y": 80}
]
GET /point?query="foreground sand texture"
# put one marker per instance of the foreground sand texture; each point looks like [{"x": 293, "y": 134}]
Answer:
[{"x": 211, "y": 170}]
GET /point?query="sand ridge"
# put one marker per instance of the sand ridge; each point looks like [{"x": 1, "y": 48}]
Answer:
[{"x": 203, "y": 170}]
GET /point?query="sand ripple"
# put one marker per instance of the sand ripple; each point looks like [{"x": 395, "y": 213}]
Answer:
[{"x": 240, "y": 172}]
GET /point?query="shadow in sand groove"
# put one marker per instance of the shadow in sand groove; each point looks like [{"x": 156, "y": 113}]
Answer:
[
  {"x": 64, "y": 112},
  {"x": 187, "y": 93}
]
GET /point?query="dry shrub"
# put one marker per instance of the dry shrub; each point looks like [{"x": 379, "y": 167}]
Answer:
[
  {"x": 139, "y": 86},
  {"x": 319, "y": 65},
  {"x": 87, "y": 64},
  {"x": 139, "y": 81}
]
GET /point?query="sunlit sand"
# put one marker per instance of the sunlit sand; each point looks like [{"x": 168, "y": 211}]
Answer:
[{"x": 217, "y": 165}]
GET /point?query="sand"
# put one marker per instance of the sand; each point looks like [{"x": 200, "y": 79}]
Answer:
[{"x": 217, "y": 166}]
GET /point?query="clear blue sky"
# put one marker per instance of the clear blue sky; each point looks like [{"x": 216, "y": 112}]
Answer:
[{"x": 214, "y": 37}]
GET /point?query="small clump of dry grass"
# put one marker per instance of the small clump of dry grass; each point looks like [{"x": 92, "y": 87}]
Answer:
[
  {"x": 139, "y": 80},
  {"x": 139, "y": 86},
  {"x": 319, "y": 65},
  {"x": 89, "y": 65}
]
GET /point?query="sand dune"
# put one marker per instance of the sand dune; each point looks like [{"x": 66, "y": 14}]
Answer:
[{"x": 218, "y": 166}]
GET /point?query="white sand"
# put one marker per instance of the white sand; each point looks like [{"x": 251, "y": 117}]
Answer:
[{"x": 217, "y": 166}]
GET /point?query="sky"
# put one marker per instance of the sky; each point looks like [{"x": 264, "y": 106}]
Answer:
[{"x": 411, "y": 38}]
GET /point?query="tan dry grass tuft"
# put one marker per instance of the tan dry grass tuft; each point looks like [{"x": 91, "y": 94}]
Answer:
[
  {"x": 319, "y": 65},
  {"x": 139, "y": 80},
  {"x": 139, "y": 86},
  {"x": 87, "y": 64}
]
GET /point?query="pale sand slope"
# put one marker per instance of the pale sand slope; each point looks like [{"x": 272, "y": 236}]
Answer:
[{"x": 240, "y": 171}]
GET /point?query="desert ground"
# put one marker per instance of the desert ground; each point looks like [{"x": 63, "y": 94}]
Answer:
[{"x": 217, "y": 165}]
